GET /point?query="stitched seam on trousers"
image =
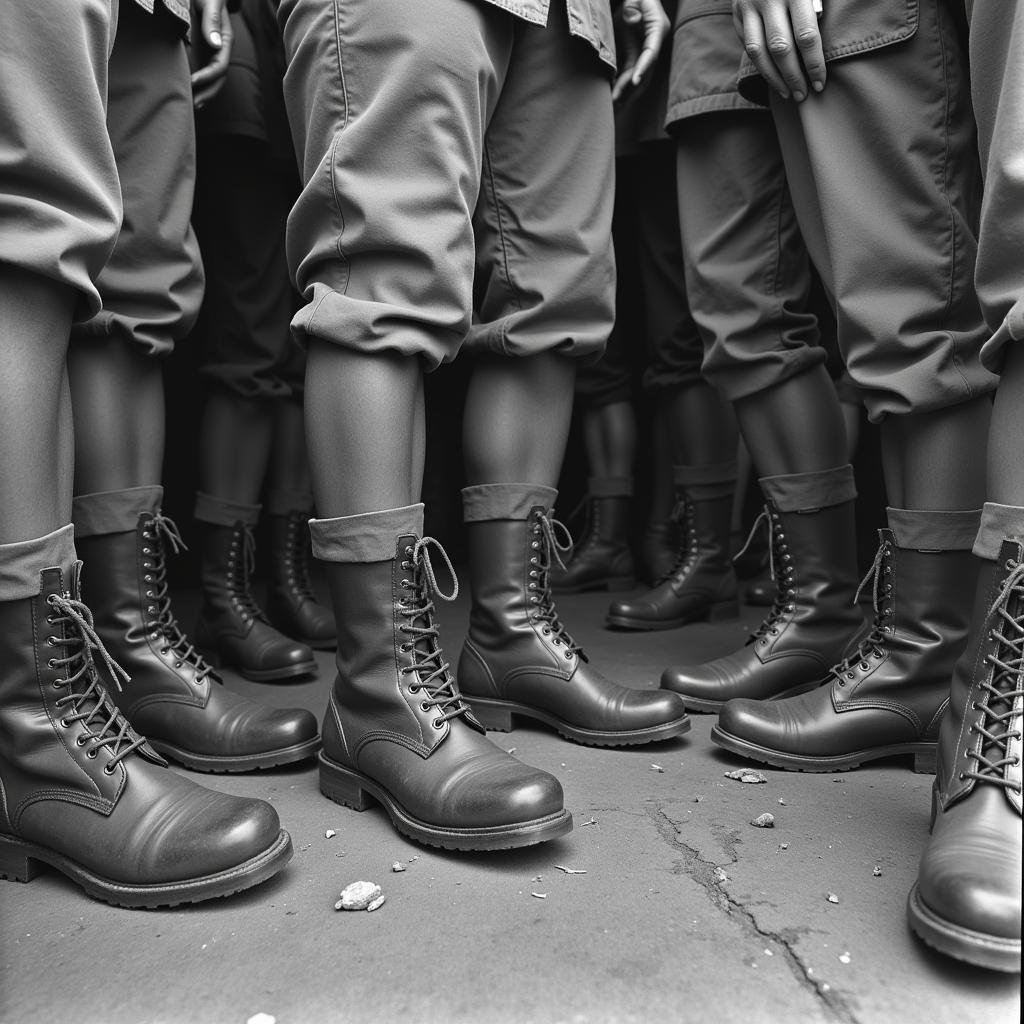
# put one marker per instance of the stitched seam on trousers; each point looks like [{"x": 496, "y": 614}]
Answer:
[
  {"x": 499, "y": 220},
  {"x": 334, "y": 146},
  {"x": 775, "y": 268}
]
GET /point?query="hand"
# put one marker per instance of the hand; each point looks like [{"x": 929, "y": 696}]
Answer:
[
  {"x": 215, "y": 29},
  {"x": 781, "y": 37},
  {"x": 646, "y": 26}
]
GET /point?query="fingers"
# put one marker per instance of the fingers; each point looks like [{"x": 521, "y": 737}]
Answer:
[
  {"x": 757, "y": 50},
  {"x": 208, "y": 80},
  {"x": 783, "y": 49},
  {"x": 210, "y": 24},
  {"x": 804, "y": 19},
  {"x": 622, "y": 83},
  {"x": 781, "y": 37}
]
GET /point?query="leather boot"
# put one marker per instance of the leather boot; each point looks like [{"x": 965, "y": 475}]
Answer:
[
  {"x": 813, "y": 617},
  {"x": 702, "y": 584},
  {"x": 967, "y": 898},
  {"x": 659, "y": 547},
  {"x": 232, "y": 629},
  {"x": 292, "y": 605},
  {"x": 603, "y": 560},
  {"x": 83, "y": 792},
  {"x": 518, "y": 658},
  {"x": 888, "y": 695},
  {"x": 396, "y": 729},
  {"x": 175, "y": 698}
]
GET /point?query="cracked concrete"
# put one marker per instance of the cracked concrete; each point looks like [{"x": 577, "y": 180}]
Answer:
[{"x": 651, "y": 932}]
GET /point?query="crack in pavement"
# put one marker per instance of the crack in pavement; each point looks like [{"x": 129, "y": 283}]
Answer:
[{"x": 707, "y": 875}]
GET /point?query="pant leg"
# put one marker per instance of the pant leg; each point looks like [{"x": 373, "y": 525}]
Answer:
[
  {"x": 388, "y": 103},
  {"x": 60, "y": 205},
  {"x": 545, "y": 275},
  {"x": 997, "y": 86},
  {"x": 152, "y": 285},
  {"x": 883, "y": 170},
  {"x": 747, "y": 273}
]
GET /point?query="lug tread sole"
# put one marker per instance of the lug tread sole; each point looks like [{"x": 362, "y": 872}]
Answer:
[
  {"x": 239, "y": 762},
  {"x": 19, "y": 862},
  {"x": 993, "y": 951},
  {"x": 497, "y": 715},
  {"x": 707, "y": 706},
  {"x": 351, "y": 788},
  {"x": 924, "y": 755}
]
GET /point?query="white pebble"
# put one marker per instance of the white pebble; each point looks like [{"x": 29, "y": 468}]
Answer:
[{"x": 358, "y": 896}]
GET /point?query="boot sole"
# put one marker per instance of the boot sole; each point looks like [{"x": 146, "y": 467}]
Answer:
[
  {"x": 355, "y": 790},
  {"x": 497, "y": 715},
  {"x": 712, "y": 707},
  {"x": 609, "y": 583},
  {"x": 994, "y": 952},
  {"x": 240, "y": 762},
  {"x": 924, "y": 755},
  {"x": 19, "y": 862},
  {"x": 267, "y": 675},
  {"x": 720, "y": 612}
]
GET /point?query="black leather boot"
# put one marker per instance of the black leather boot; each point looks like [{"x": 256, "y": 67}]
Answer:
[
  {"x": 396, "y": 730},
  {"x": 888, "y": 695},
  {"x": 702, "y": 584},
  {"x": 813, "y": 618},
  {"x": 518, "y": 658},
  {"x": 175, "y": 697},
  {"x": 967, "y": 898},
  {"x": 232, "y": 630},
  {"x": 292, "y": 605},
  {"x": 85, "y": 794},
  {"x": 659, "y": 547},
  {"x": 603, "y": 559}
]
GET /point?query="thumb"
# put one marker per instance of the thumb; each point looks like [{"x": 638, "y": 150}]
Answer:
[
  {"x": 631, "y": 12},
  {"x": 211, "y": 24}
]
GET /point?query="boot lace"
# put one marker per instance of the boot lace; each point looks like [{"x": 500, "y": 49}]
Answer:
[
  {"x": 241, "y": 566},
  {"x": 1001, "y": 722},
  {"x": 159, "y": 533},
  {"x": 548, "y": 549},
  {"x": 872, "y": 644},
  {"x": 105, "y": 726},
  {"x": 296, "y": 553},
  {"x": 780, "y": 568},
  {"x": 686, "y": 557},
  {"x": 428, "y": 663}
]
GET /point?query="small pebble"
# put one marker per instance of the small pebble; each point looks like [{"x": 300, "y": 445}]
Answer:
[
  {"x": 697, "y": 799},
  {"x": 261, "y": 1018},
  {"x": 593, "y": 821},
  {"x": 782, "y": 802},
  {"x": 540, "y": 895},
  {"x": 721, "y": 876},
  {"x": 397, "y": 866},
  {"x": 330, "y": 834},
  {"x": 358, "y": 896},
  {"x": 845, "y": 958},
  {"x": 375, "y": 904},
  {"x": 764, "y": 821},
  {"x": 571, "y": 871},
  {"x": 832, "y": 898},
  {"x": 657, "y": 768},
  {"x": 877, "y": 871},
  {"x": 511, "y": 750},
  {"x": 747, "y": 775}
]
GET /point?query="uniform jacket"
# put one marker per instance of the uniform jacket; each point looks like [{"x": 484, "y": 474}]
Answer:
[{"x": 590, "y": 20}]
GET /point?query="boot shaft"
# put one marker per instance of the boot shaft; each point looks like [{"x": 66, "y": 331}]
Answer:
[{"x": 228, "y": 559}]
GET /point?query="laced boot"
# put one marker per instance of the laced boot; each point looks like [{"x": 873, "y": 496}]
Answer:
[
  {"x": 887, "y": 696},
  {"x": 518, "y": 658},
  {"x": 966, "y": 902},
  {"x": 83, "y": 792},
  {"x": 292, "y": 604},
  {"x": 813, "y": 617},
  {"x": 603, "y": 560},
  {"x": 701, "y": 585},
  {"x": 397, "y": 729},
  {"x": 659, "y": 547},
  {"x": 176, "y": 699},
  {"x": 232, "y": 629}
]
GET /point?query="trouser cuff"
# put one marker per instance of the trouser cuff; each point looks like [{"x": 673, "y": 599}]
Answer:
[
  {"x": 504, "y": 501},
  {"x": 927, "y": 530},
  {"x": 998, "y": 523},
  {"x": 219, "y": 512},
  {"x": 607, "y": 487},
  {"x": 368, "y": 537},
  {"x": 804, "y": 492},
  {"x": 707, "y": 482},
  {"x": 21, "y": 563},
  {"x": 114, "y": 511},
  {"x": 281, "y": 503}
]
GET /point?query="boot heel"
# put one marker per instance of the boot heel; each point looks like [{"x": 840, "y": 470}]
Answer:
[
  {"x": 342, "y": 788},
  {"x": 494, "y": 719},
  {"x": 924, "y": 761},
  {"x": 15, "y": 864},
  {"x": 722, "y": 610},
  {"x": 620, "y": 583}
]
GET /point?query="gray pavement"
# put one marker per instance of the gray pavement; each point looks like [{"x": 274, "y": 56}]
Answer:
[{"x": 685, "y": 912}]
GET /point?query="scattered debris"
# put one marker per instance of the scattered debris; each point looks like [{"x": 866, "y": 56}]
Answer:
[
  {"x": 747, "y": 775},
  {"x": 375, "y": 904},
  {"x": 571, "y": 871},
  {"x": 397, "y": 866},
  {"x": 838, "y": 780},
  {"x": 537, "y": 878},
  {"x": 330, "y": 834},
  {"x": 844, "y": 958},
  {"x": 261, "y": 1018},
  {"x": 768, "y": 952},
  {"x": 657, "y": 768},
  {"x": 411, "y": 859},
  {"x": 358, "y": 896},
  {"x": 782, "y": 802},
  {"x": 832, "y": 897},
  {"x": 512, "y": 750},
  {"x": 721, "y": 876},
  {"x": 783, "y": 846},
  {"x": 593, "y": 821},
  {"x": 540, "y": 895},
  {"x": 877, "y": 871},
  {"x": 765, "y": 820},
  {"x": 697, "y": 799}
]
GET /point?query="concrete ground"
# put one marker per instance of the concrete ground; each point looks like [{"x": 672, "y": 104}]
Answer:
[{"x": 673, "y": 908}]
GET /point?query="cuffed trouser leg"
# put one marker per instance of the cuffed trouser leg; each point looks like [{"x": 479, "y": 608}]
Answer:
[{"x": 21, "y": 563}]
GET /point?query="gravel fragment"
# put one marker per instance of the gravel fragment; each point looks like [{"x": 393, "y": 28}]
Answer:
[
  {"x": 397, "y": 866},
  {"x": 844, "y": 958},
  {"x": 832, "y": 897},
  {"x": 783, "y": 846},
  {"x": 877, "y": 871},
  {"x": 765, "y": 820},
  {"x": 593, "y": 821},
  {"x": 330, "y": 834},
  {"x": 358, "y": 896},
  {"x": 540, "y": 895},
  {"x": 782, "y": 802},
  {"x": 747, "y": 775},
  {"x": 697, "y": 799},
  {"x": 571, "y": 871},
  {"x": 261, "y": 1018},
  {"x": 657, "y": 768},
  {"x": 375, "y": 904}
]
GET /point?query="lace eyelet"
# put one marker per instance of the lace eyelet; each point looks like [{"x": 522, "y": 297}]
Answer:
[
  {"x": 850, "y": 675},
  {"x": 51, "y": 619},
  {"x": 405, "y": 583},
  {"x": 52, "y": 663},
  {"x": 962, "y": 776},
  {"x": 415, "y": 688},
  {"x": 91, "y": 753},
  {"x": 437, "y": 723},
  {"x": 52, "y": 641},
  {"x": 568, "y": 655},
  {"x": 841, "y": 683},
  {"x": 81, "y": 741},
  {"x": 65, "y": 724},
  {"x": 108, "y": 769},
  {"x": 1010, "y": 564},
  {"x": 424, "y": 706},
  {"x": 408, "y": 551}
]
